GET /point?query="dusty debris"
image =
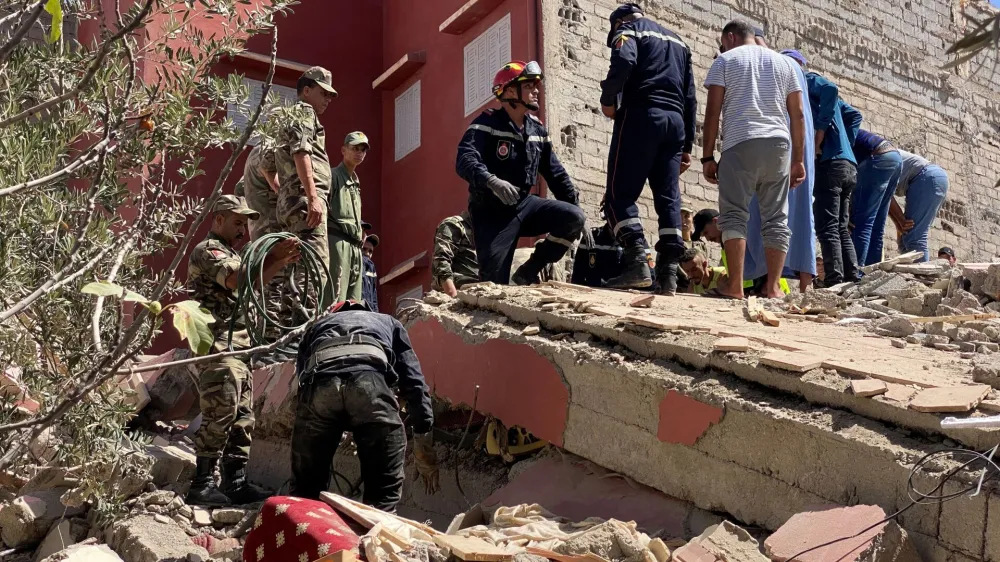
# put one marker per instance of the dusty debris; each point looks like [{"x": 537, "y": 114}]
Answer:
[
  {"x": 87, "y": 551},
  {"x": 26, "y": 520},
  {"x": 531, "y": 330},
  {"x": 868, "y": 387},
  {"x": 895, "y": 327},
  {"x": 143, "y": 539},
  {"x": 730, "y": 543},
  {"x": 644, "y": 301}
]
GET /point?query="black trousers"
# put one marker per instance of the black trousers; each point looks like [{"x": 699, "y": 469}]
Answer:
[
  {"x": 362, "y": 403},
  {"x": 497, "y": 228},
  {"x": 646, "y": 144},
  {"x": 835, "y": 182}
]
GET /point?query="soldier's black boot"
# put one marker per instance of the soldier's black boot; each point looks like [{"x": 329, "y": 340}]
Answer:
[
  {"x": 530, "y": 272},
  {"x": 203, "y": 489},
  {"x": 667, "y": 278},
  {"x": 236, "y": 485},
  {"x": 635, "y": 272}
]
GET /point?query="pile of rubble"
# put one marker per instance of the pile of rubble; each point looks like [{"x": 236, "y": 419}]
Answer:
[
  {"x": 41, "y": 518},
  {"x": 931, "y": 304}
]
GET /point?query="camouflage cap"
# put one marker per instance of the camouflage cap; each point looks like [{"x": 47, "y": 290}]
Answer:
[
  {"x": 322, "y": 77},
  {"x": 236, "y": 205},
  {"x": 356, "y": 138}
]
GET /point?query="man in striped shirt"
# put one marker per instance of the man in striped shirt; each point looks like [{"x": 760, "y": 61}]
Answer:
[{"x": 757, "y": 95}]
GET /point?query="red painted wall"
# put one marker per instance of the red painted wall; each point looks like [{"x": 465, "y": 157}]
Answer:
[
  {"x": 423, "y": 188},
  {"x": 343, "y": 36}
]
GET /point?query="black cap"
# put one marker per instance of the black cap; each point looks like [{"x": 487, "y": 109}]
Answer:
[
  {"x": 619, "y": 13},
  {"x": 701, "y": 220},
  {"x": 948, "y": 251},
  {"x": 373, "y": 238},
  {"x": 365, "y": 225}
]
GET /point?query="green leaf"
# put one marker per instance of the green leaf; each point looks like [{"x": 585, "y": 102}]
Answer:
[
  {"x": 102, "y": 289},
  {"x": 132, "y": 296},
  {"x": 191, "y": 322}
]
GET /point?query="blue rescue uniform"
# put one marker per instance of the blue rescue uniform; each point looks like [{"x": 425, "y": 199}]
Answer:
[
  {"x": 651, "y": 83},
  {"x": 369, "y": 283},
  {"x": 493, "y": 145}
]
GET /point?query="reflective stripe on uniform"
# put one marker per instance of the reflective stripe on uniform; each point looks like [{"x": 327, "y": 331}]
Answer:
[
  {"x": 507, "y": 135},
  {"x": 626, "y": 222},
  {"x": 670, "y": 232},
  {"x": 560, "y": 241},
  {"x": 599, "y": 247},
  {"x": 654, "y": 34}
]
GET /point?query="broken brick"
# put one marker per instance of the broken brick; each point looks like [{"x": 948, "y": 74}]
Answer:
[
  {"x": 644, "y": 301},
  {"x": 868, "y": 387},
  {"x": 884, "y": 542},
  {"x": 694, "y": 552}
]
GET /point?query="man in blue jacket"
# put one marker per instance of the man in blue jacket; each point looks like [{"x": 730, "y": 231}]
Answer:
[
  {"x": 347, "y": 364},
  {"x": 649, "y": 92},
  {"x": 501, "y": 155},
  {"x": 836, "y": 124}
]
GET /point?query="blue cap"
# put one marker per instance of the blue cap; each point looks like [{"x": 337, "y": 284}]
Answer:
[{"x": 795, "y": 55}]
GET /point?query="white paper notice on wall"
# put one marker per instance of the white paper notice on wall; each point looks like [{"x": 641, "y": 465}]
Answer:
[
  {"x": 483, "y": 57},
  {"x": 408, "y": 121},
  {"x": 240, "y": 113}
]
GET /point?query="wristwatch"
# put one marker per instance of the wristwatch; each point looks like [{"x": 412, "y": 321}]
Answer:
[{"x": 707, "y": 159}]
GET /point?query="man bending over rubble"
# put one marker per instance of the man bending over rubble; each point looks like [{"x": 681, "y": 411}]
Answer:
[
  {"x": 226, "y": 385},
  {"x": 346, "y": 365}
]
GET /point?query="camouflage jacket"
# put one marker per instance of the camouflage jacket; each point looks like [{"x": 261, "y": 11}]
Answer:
[
  {"x": 254, "y": 183},
  {"x": 345, "y": 204},
  {"x": 211, "y": 262},
  {"x": 302, "y": 133},
  {"x": 454, "y": 252}
]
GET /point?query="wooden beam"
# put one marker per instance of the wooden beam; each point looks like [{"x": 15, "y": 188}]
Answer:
[
  {"x": 416, "y": 262},
  {"x": 280, "y": 64},
  {"x": 400, "y": 70},
  {"x": 468, "y": 15}
]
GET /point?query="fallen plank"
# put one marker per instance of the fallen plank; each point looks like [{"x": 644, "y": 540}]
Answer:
[
  {"x": 644, "y": 301},
  {"x": 570, "y": 286},
  {"x": 608, "y": 310},
  {"x": 753, "y": 309},
  {"x": 795, "y": 361},
  {"x": 899, "y": 392},
  {"x": 765, "y": 341},
  {"x": 768, "y": 317},
  {"x": 868, "y": 387},
  {"x": 659, "y": 323},
  {"x": 865, "y": 369},
  {"x": 339, "y": 556},
  {"x": 732, "y": 344},
  {"x": 908, "y": 257},
  {"x": 952, "y": 319},
  {"x": 472, "y": 549},
  {"x": 950, "y": 398}
]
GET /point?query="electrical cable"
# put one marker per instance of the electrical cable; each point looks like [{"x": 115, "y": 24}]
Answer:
[
  {"x": 251, "y": 300},
  {"x": 990, "y": 471}
]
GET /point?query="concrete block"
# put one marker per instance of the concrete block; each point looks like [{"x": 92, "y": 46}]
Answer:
[
  {"x": 913, "y": 305},
  {"x": 61, "y": 536},
  {"x": 172, "y": 465},
  {"x": 991, "y": 285},
  {"x": 143, "y": 539},
  {"x": 884, "y": 543},
  {"x": 896, "y": 327},
  {"x": 85, "y": 553},
  {"x": 731, "y": 543},
  {"x": 26, "y": 520},
  {"x": 228, "y": 516},
  {"x": 987, "y": 371},
  {"x": 963, "y": 521}
]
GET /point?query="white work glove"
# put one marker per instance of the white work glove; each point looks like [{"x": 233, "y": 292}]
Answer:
[{"x": 504, "y": 190}]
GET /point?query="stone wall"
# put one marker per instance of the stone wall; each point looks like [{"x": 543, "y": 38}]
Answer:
[{"x": 886, "y": 56}]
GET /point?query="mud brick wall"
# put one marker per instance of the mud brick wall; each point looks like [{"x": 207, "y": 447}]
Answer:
[{"x": 886, "y": 56}]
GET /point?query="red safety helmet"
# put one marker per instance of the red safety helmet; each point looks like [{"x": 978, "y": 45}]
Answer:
[{"x": 516, "y": 72}]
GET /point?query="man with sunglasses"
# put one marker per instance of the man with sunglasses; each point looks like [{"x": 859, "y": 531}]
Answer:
[
  {"x": 344, "y": 227},
  {"x": 650, "y": 93},
  {"x": 501, "y": 155}
]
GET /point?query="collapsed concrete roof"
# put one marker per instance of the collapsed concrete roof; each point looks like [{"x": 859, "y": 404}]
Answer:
[{"x": 642, "y": 392}]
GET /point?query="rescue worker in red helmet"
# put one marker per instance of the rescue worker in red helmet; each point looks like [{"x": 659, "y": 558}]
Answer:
[
  {"x": 346, "y": 365},
  {"x": 501, "y": 155}
]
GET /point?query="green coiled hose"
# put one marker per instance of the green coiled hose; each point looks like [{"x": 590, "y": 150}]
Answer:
[{"x": 251, "y": 301}]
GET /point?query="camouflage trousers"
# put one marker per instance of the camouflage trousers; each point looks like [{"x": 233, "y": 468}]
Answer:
[
  {"x": 292, "y": 212},
  {"x": 265, "y": 203},
  {"x": 346, "y": 267},
  {"x": 226, "y": 390}
]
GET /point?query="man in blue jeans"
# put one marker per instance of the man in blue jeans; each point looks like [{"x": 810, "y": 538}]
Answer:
[
  {"x": 925, "y": 187},
  {"x": 836, "y": 125},
  {"x": 878, "y": 172}
]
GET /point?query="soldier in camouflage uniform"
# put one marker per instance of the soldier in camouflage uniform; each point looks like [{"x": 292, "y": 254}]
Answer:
[
  {"x": 304, "y": 173},
  {"x": 225, "y": 385},
  {"x": 260, "y": 187},
  {"x": 454, "y": 263},
  {"x": 344, "y": 222}
]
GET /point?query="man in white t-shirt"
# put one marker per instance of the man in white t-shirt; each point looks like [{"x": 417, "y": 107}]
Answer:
[{"x": 756, "y": 93}]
